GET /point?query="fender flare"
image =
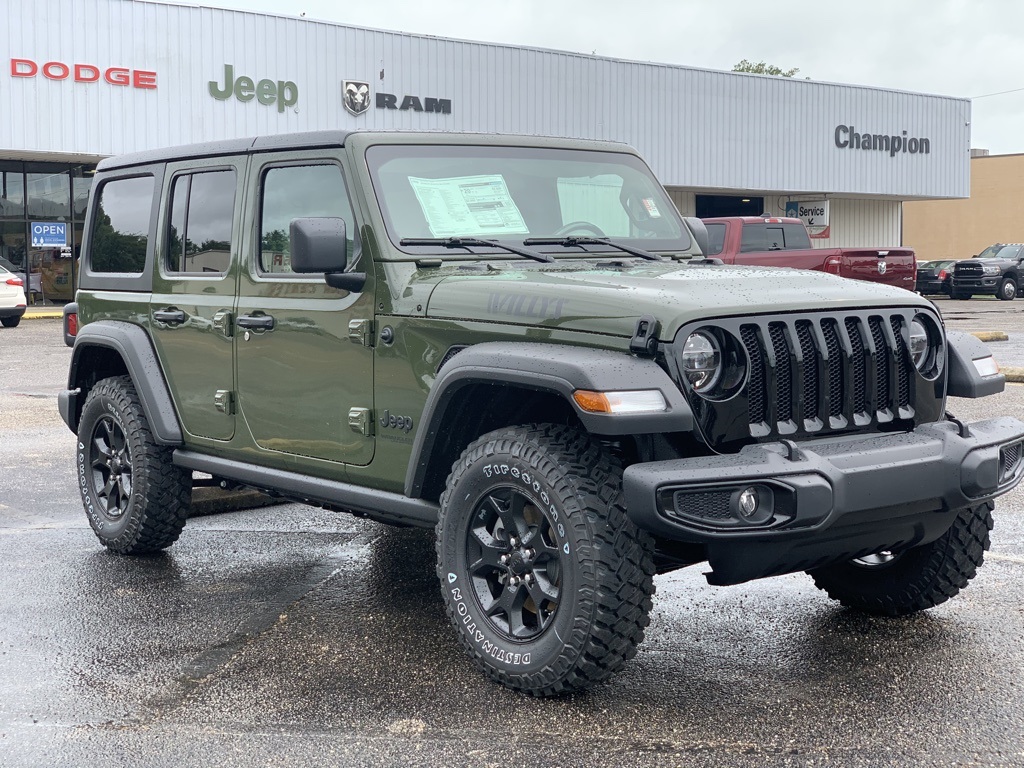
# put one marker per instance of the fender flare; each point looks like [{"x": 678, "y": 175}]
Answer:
[
  {"x": 132, "y": 343},
  {"x": 551, "y": 368},
  {"x": 963, "y": 379}
]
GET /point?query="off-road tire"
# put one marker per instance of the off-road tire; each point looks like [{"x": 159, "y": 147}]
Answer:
[
  {"x": 917, "y": 578},
  {"x": 159, "y": 493},
  {"x": 1007, "y": 289},
  {"x": 10, "y": 322},
  {"x": 605, "y": 563}
]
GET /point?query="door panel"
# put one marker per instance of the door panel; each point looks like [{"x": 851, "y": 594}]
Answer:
[
  {"x": 299, "y": 374},
  {"x": 194, "y": 292}
]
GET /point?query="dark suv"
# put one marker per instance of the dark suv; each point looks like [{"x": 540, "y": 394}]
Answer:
[
  {"x": 996, "y": 271},
  {"x": 517, "y": 341}
]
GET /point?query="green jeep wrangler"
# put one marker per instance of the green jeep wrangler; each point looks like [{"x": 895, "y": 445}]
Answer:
[{"x": 517, "y": 340}]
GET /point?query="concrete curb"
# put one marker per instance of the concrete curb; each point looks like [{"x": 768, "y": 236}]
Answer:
[
  {"x": 43, "y": 315},
  {"x": 991, "y": 335},
  {"x": 1015, "y": 375}
]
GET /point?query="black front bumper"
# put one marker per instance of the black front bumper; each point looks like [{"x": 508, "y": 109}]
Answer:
[
  {"x": 987, "y": 284},
  {"x": 826, "y": 500}
]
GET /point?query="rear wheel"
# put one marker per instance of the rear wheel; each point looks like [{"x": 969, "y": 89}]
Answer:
[
  {"x": 10, "y": 322},
  {"x": 962, "y": 296},
  {"x": 136, "y": 499},
  {"x": 1007, "y": 289},
  {"x": 546, "y": 580},
  {"x": 892, "y": 583}
]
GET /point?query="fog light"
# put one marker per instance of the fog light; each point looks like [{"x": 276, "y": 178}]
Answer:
[{"x": 749, "y": 502}]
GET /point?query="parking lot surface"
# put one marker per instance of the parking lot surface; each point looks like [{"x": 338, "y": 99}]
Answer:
[{"x": 292, "y": 636}]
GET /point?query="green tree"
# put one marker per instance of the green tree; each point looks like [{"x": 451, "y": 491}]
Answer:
[{"x": 763, "y": 68}]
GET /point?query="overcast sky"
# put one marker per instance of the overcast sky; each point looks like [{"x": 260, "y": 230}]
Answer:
[{"x": 952, "y": 47}]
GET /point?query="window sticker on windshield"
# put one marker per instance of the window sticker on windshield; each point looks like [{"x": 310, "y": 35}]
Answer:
[
  {"x": 469, "y": 206},
  {"x": 652, "y": 208}
]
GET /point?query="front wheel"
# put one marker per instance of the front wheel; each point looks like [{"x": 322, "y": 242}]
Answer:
[
  {"x": 1007, "y": 289},
  {"x": 136, "y": 499},
  {"x": 900, "y": 583},
  {"x": 546, "y": 580}
]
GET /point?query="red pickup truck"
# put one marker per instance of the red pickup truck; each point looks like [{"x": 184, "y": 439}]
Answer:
[{"x": 784, "y": 242}]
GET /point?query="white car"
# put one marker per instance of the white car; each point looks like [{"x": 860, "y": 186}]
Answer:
[{"x": 12, "y": 298}]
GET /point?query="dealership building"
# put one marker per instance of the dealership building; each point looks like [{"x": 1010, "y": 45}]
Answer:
[{"x": 84, "y": 79}]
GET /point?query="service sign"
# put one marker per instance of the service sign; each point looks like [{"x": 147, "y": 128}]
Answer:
[{"x": 814, "y": 215}]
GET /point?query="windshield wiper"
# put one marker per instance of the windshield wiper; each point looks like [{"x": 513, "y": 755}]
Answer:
[
  {"x": 476, "y": 242},
  {"x": 575, "y": 242}
]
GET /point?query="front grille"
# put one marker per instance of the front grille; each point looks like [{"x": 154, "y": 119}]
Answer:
[
  {"x": 704, "y": 505},
  {"x": 827, "y": 373},
  {"x": 968, "y": 270},
  {"x": 1009, "y": 458}
]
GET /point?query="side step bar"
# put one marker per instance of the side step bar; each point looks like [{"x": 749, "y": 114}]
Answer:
[{"x": 379, "y": 505}]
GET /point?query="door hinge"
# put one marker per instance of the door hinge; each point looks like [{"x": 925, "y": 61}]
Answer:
[
  {"x": 361, "y": 332},
  {"x": 361, "y": 421},
  {"x": 224, "y": 399}
]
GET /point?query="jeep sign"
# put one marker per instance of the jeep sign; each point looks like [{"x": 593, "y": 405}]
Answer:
[{"x": 284, "y": 93}]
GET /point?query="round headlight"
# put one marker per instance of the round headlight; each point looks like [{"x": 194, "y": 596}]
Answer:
[
  {"x": 701, "y": 361},
  {"x": 919, "y": 344}
]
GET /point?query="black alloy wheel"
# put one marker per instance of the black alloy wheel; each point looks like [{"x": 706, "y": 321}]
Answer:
[
  {"x": 514, "y": 563},
  {"x": 546, "y": 580},
  {"x": 135, "y": 497},
  {"x": 110, "y": 460}
]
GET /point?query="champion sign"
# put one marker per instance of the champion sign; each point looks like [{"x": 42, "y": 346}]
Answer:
[{"x": 84, "y": 73}]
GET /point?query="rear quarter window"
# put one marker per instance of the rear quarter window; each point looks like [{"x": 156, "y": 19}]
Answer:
[{"x": 121, "y": 225}]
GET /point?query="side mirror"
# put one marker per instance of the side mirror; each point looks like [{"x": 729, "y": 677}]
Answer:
[
  {"x": 318, "y": 245},
  {"x": 321, "y": 245},
  {"x": 699, "y": 232}
]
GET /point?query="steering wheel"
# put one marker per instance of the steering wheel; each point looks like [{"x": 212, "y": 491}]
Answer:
[{"x": 579, "y": 227}]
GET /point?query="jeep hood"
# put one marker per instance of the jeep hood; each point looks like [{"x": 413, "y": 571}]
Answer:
[{"x": 609, "y": 299}]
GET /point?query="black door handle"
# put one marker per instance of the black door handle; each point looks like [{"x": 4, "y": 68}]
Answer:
[
  {"x": 256, "y": 322},
  {"x": 170, "y": 316}
]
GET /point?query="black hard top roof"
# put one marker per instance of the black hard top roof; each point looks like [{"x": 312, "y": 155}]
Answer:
[
  {"x": 308, "y": 140},
  {"x": 328, "y": 139}
]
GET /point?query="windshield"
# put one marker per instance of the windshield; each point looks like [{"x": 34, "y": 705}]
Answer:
[
  {"x": 999, "y": 252},
  {"x": 513, "y": 193}
]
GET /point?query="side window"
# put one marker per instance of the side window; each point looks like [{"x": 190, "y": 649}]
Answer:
[
  {"x": 202, "y": 209},
  {"x": 120, "y": 230},
  {"x": 716, "y": 239},
  {"x": 295, "y": 192},
  {"x": 796, "y": 236},
  {"x": 753, "y": 238}
]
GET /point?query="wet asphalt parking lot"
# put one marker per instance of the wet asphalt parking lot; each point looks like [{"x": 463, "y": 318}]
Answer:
[{"x": 292, "y": 636}]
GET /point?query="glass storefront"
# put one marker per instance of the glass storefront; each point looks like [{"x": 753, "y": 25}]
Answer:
[{"x": 54, "y": 197}]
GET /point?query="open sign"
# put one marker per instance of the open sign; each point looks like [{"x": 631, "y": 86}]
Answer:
[{"x": 48, "y": 234}]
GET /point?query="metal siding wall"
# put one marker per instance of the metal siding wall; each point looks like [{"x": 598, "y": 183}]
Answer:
[
  {"x": 684, "y": 200},
  {"x": 699, "y": 129}
]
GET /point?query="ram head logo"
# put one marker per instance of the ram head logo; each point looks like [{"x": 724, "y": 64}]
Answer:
[{"x": 355, "y": 96}]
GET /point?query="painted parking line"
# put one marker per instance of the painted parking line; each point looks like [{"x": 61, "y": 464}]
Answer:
[{"x": 1005, "y": 558}]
